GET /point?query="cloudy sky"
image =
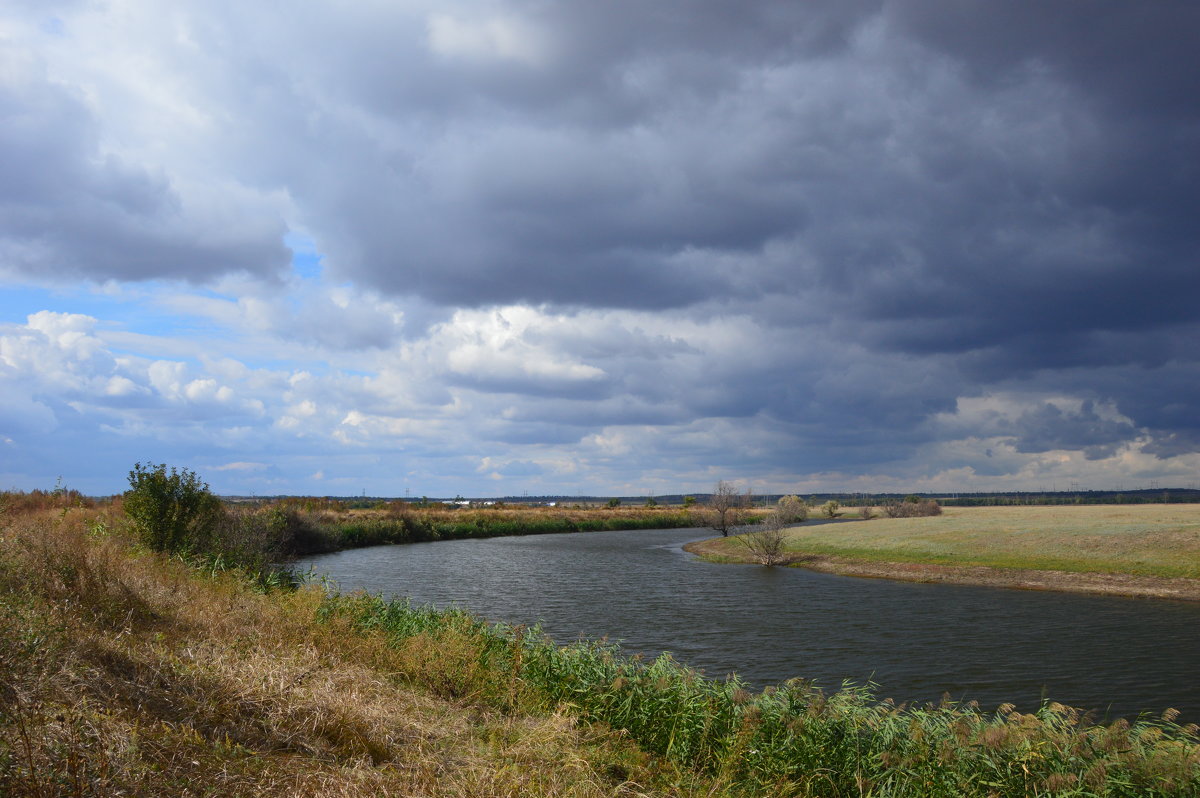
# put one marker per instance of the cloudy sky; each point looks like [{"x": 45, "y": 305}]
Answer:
[{"x": 503, "y": 246}]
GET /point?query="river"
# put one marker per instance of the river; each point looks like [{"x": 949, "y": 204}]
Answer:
[{"x": 1118, "y": 656}]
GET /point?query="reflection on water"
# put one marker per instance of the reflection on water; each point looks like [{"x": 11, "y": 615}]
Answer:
[{"x": 1119, "y": 656}]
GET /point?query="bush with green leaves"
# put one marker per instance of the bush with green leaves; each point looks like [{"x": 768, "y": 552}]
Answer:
[{"x": 172, "y": 511}]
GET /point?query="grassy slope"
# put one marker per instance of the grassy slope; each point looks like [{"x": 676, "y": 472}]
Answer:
[
  {"x": 1150, "y": 540},
  {"x": 126, "y": 674}
]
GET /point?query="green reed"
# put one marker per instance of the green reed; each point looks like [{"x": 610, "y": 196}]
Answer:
[
  {"x": 795, "y": 739},
  {"x": 306, "y": 533}
]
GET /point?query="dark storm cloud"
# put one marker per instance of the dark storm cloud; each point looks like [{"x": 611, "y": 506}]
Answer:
[
  {"x": 659, "y": 155},
  {"x": 1138, "y": 56},
  {"x": 1072, "y": 243},
  {"x": 1050, "y": 427}
]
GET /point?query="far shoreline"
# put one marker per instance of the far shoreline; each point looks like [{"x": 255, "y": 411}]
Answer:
[{"x": 1095, "y": 583}]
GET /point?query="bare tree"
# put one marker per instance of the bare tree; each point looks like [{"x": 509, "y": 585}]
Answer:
[
  {"x": 766, "y": 540},
  {"x": 727, "y": 508}
]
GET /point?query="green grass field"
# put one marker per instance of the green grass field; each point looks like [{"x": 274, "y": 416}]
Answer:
[{"x": 1149, "y": 540}]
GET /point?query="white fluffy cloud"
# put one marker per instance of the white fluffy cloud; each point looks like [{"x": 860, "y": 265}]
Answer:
[{"x": 521, "y": 422}]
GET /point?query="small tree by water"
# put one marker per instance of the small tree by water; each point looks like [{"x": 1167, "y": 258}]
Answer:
[
  {"x": 171, "y": 511},
  {"x": 766, "y": 541},
  {"x": 727, "y": 508}
]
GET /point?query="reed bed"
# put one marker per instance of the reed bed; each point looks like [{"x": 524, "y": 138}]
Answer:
[{"x": 310, "y": 532}]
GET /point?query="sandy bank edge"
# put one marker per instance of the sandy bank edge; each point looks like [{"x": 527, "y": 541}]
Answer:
[{"x": 1020, "y": 579}]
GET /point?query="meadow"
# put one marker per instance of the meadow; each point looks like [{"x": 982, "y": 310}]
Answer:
[
  {"x": 1151, "y": 540},
  {"x": 129, "y": 671}
]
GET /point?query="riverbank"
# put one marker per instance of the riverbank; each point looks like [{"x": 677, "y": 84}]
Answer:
[
  {"x": 1146, "y": 551},
  {"x": 300, "y": 531},
  {"x": 128, "y": 672}
]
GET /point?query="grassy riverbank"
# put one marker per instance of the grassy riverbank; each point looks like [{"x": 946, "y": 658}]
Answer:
[
  {"x": 123, "y": 671},
  {"x": 1132, "y": 549}
]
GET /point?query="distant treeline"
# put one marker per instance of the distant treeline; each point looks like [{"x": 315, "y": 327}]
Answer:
[
  {"x": 1168, "y": 496},
  {"x": 978, "y": 499},
  {"x": 1018, "y": 498}
]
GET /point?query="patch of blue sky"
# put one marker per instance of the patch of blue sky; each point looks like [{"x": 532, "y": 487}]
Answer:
[
  {"x": 307, "y": 265},
  {"x": 18, "y": 302},
  {"x": 306, "y": 258},
  {"x": 131, "y": 309}
]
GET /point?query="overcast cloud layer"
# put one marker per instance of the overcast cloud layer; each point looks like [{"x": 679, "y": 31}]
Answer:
[{"x": 609, "y": 248}]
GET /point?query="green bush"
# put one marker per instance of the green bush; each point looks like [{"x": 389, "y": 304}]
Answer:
[{"x": 172, "y": 512}]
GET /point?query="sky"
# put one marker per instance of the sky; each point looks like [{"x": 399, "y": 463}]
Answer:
[{"x": 498, "y": 247}]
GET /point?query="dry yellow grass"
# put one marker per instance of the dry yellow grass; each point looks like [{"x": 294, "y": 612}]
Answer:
[{"x": 124, "y": 674}]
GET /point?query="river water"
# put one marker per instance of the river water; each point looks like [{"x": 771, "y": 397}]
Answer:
[{"x": 1118, "y": 656}]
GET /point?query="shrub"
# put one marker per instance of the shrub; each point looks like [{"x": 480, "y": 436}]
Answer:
[
  {"x": 171, "y": 512},
  {"x": 831, "y": 508},
  {"x": 792, "y": 510},
  {"x": 907, "y": 509},
  {"x": 766, "y": 541}
]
